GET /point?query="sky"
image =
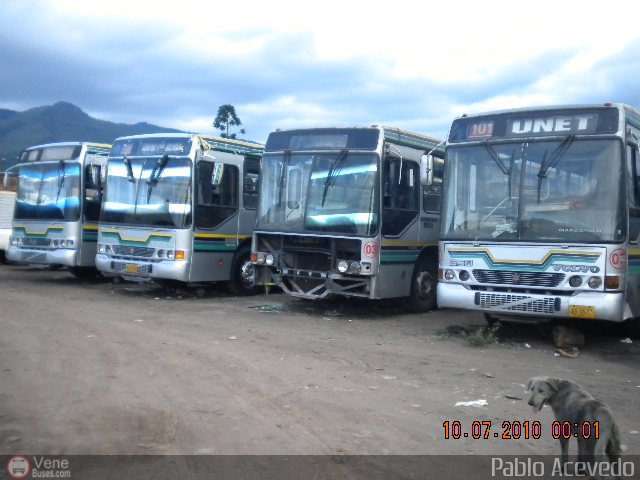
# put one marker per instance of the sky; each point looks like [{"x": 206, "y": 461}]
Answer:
[{"x": 283, "y": 64}]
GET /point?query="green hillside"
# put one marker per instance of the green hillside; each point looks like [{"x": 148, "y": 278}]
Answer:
[{"x": 61, "y": 122}]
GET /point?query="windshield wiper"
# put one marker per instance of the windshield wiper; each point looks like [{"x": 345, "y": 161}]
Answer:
[
  {"x": 60, "y": 179},
  {"x": 127, "y": 163},
  {"x": 555, "y": 157},
  {"x": 494, "y": 155},
  {"x": 152, "y": 181},
  {"x": 333, "y": 173},
  {"x": 283, "y": 173}
]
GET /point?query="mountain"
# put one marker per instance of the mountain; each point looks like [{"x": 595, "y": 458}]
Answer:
[{"x": 61, "y": 122}]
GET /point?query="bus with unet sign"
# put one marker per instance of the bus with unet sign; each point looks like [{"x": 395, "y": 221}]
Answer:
[
  {"x": 180, "y": 208},
  {"x": 353, "y": 212},
  {"x": 58, "y": 199},
  {"x": 541, "y": 214}
]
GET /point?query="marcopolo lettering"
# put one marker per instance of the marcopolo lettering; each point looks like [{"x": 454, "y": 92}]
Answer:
[
  {"x": 552, "y": 125},
  {"x": 577, "y": 268}
]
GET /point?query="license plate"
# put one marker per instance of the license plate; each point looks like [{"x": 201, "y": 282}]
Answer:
[
  {"x": 131, "y": 268},
  {"x": 580, "y": 311}
]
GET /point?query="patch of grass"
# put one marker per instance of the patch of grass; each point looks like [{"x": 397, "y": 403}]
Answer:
[
  {"x": 484, "y": 336},
  {"x": 476, "y": 336}
]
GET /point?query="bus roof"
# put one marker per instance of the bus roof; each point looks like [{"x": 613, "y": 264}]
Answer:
[
  {"x": 555, "y": 108},
  {"x": 230, "y": 145},
  {"x": 65, "y": 144},
  {"x": 394, "y": 135}
]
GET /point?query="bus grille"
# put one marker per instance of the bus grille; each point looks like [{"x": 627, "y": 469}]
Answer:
[
  {"x": 36, "y": 242},
  {"x": 506, "y": 277},
  {"x": 319, "y": 262},
  {"x": 519, "y": 303},
  {"x": 121, "y": 267},
  {"x": 35, "y": 257},
  {"x": 145, "y": 252}
]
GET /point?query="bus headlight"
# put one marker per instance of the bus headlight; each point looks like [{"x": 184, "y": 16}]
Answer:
[
  {"x": 56, "y": 243},
  {"x": 108, "y": 249},
  {"x": 575, "y": 281},
  {"x": 170, "y": 254},
  {"x": 595, "y": 282},
  {"x": 269, "y": 259},
  {"x": 355, "y": 267},
  {"x": 464, "y": 275},
  {"x": 343, "y": 266},
  {"x": 160, "y": 253},
  {"x": 101, "y": 248},
  {"x": 449, "y": 275},
  {"x": 260, "y": 258}
]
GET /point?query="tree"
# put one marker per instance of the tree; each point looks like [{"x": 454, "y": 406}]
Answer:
[{"x": 226, "y": 118}]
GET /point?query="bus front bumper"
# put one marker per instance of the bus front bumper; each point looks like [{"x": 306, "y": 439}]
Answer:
[
  {"x": 165, "y": 269},
  {"x": 55, "y": 256},
  {"x": 582, "y": 305}
]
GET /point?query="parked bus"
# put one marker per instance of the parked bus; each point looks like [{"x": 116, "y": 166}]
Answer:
[
  {"x": 345, "y": 211},
  {"x": 180, "y": 207},
  {"x": 57, "y": 205},
  {"x": 8, "y": 187},
  {"x": 541, "y": 215}
]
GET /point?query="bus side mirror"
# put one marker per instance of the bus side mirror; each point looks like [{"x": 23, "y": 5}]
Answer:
[
  {"x": 426, "y": 170},
  {"x": 10, "y": 180}
]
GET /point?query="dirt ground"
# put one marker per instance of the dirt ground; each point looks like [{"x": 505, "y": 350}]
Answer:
[{"x": 103, "y": 368}]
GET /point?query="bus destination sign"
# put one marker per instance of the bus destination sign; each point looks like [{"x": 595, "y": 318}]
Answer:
[{"x": 535, "y": 124}]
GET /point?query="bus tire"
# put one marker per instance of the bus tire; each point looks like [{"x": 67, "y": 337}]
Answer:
[
  {"x": 424, "y": 284},
  {"x": 242, "y": 281},
  {"x": 490, "y": 319},
  {"x": 84, "y": 273}
]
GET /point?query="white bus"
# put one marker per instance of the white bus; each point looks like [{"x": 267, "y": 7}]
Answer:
[
  {"x": 541, "y": 216},
  {"x": 180, "y": 208},
  {"x": 345, "y": 211},
  {"x": 57, "y": 205}
]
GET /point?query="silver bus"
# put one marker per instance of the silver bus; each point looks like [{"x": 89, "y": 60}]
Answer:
[
  {"x": 180, "y": 207},
  {"x": 346, "y": 211},
  {"x": 541, "y": 215},
  {"x": 57, "y": 205}
]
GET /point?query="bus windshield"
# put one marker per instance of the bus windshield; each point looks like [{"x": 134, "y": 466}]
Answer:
[
  {"x": 48, "y": 191},
  {"x": 557, "y": 191},
  {"x": 328, "y": 193},
  {"x": 148, "y": 191}
]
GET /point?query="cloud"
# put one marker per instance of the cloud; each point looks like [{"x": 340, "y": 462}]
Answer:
[{"x": 342, "y": 63}]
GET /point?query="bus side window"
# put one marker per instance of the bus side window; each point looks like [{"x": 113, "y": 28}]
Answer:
[
  {"x": 216, "y": 201},
  {"x": 400, "y": 195},
  {"x": 250, "y": 183},
  {"x": 432, "y": 195}
]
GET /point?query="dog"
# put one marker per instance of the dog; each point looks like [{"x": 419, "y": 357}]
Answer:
[{"x": 571, "y": 403}]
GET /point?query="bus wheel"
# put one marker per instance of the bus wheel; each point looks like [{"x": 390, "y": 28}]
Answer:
[
  {"x": 423, "y": 286},
  {"x": 491, "y": 320},
  {"x": 84, "y": 273},
  {"x": 243, "y": 278}
]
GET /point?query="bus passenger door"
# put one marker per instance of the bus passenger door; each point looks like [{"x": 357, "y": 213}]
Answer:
[
  {"x": 216, "y": 222},
  {"x": 431, "y": 202}
]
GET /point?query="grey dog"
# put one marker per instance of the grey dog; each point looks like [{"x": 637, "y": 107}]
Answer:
[{"x": 571, "y": 403}]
